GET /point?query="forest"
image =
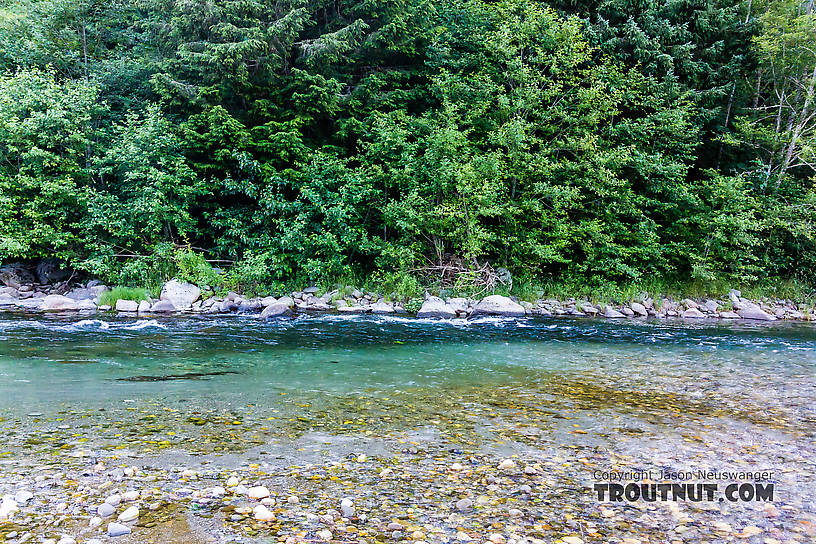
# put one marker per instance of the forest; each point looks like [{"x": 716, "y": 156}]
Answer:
[{"x": 588, "y": 142}]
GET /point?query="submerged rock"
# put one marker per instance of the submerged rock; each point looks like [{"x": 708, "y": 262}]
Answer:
[{"x": 117, "y": 529}]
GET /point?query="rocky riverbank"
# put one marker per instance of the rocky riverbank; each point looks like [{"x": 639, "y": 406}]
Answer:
[{"x": 184, "y": 298}]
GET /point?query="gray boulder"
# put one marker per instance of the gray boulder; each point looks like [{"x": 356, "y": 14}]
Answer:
[
  {"x": 693, "y": 313},
  {"x": 279, "y": 309},
  {"x": 85, "y": 304},
  {"x": 435, "y": 307},
  {"x": 181, "y": 294},
  {"x": 498, "y": 305},
  {"x": 756, "y": 313},
  {"x": 55, "y": 303},
  {"x": 639, "y": 309},
  {"x": 710, "y": 305},
  {"x": 144, "y": 307},
  {"x": 162, "y": 307},
  {"x": 612, "y": 313},
  {"x": 50, "y": 271},
  {"x": 15, "y": 275},
  {"x": 382, "y": 307}
]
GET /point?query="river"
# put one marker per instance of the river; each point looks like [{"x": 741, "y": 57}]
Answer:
[{"x": 407, "y": 418}]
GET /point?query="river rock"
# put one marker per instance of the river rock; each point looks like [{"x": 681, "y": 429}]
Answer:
[
  {"x": 693, "y": 313},
  {"x": 23, "y": 496},
  {"x": 162, "y": 307},
  {"x": 382, "y": 308},
  {"x": 181, "y": 294},
  {"x": 258, "y": 492},
  {"x": 347, "y": 508},
  {"x": 435, "y": 307},
  {"x": 105, "y": 510},
  {"x": 117, "y": 529},
  {"x": 15, "y": 275},
  {"x": 639, "y": 309},
  {"x": 710, "y": 305},
  {"x": 114, "y": 500},
  {"x": 58, "y": 303},
  {"x": 612, "y": 313},
  {"x": 463, "y": 505},
  {"x": 129, "y": 514},
  {"x": 507, "y": 464},
  {"x": 123, "y": 305},
  {"x": 756, "y": 313},
  {"x": 729, "y": 315},
  {"x": 498, "y": 305},
  {"x": 50, "y": 271},
  {"x": 279, "y": 309},
  {"x": 262, "y": 513},
  {"x": 144, "y": 307},
  {"x": 67, "y": 540}
]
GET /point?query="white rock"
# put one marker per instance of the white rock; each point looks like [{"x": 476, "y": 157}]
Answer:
[
  {"x": 114, "y": 500},
  {"x": 507, "y": 464},
  {"x": 67, "y": 540},
  {"x": 262, "y": 513},
  {"x": 572, "y": 540},
  {"x": 232, "y": 481},
  {"x": 293, "y": 499},
  {"x": 325, "y": 534},
  {"x": 7, "y": 508},
  {"x": 257, "y": 492},
  {"x": 23, "y": 496},
  {"x": 189, "y": 474},
  {"x": 130, "y": 495},
  {"x": 129, "y": 515},
  {"x": 347, "y": 508},
  {"x": 95, "y": 521},
  {"x": 117, "y": 529},
  {"x": 123, "y": 305},
  {"x": 215, "y": 492},
  {"x": 105, "y": 510},
  {"x": 180, "y": 294}
]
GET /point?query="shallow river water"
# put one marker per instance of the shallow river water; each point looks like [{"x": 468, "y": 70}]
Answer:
[{"x": 484, "y": 430}]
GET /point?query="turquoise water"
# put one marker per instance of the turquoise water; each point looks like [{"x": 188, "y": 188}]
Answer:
[
  {"x": 49, "y": 361},
  {"x": 575, "y": 395}
]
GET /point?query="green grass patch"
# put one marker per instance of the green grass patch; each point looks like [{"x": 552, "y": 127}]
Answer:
[{"x": 109, "y": 298}]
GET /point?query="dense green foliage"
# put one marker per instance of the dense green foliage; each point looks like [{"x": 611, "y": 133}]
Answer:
[{"x": 593, "y": 142}]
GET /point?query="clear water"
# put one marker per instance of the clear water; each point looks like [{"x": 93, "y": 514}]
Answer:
[
  {"x": 575, "y": 395},
  {"x": 49, "y": 362}
]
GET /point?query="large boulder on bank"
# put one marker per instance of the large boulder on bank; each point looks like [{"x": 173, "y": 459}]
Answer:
[
  {"x": 55, "y": 303},
  {"x": 279, "y": 309},
  {"x": 50, "y": 271},
  {"x": 15, "y": 275},
  {"x": 180, "y": 293},
  {"x": 756, "y": 313},
  {"x": 498, "y": 305},
  {"x": 382, "y": 307},
  {"x": 435, "y": 307}
]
